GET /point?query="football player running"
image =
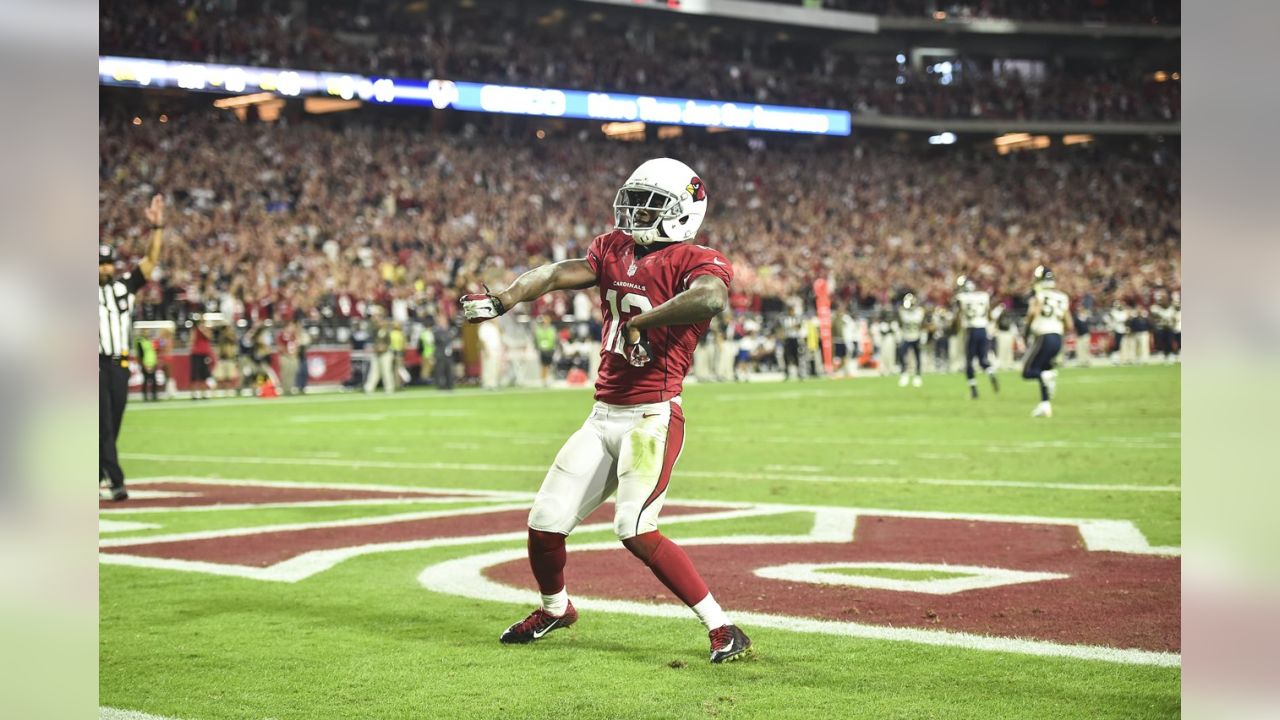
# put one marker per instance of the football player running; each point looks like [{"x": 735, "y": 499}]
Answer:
[
  {"x": 911, "y": 323},
  {"x": 973, "y": 310},
  {"x": 658, "y": 292},
  {"x": 1048, "y": 318}
]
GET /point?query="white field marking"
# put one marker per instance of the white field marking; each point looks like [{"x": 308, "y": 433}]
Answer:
[
  {"x": 942, "y": 456},
  {"x": 108, "y": 713},
  {"x": 114, "y": 526},
  {"x": 714, "y": 475},
  {"x": 464, "y": 577},
  {"x": 974, "y": 577},
  {"x": 376, "y": 415},
  {"x": 307, "y": 564},
  {"x": 931, "y": 442},
  {"x": 794, "y": 468},
  {"x": 443, "y": 495},
  {"x": 777, "y": 395},
  {"x": 459, "y": 493},
  {"x": 287, "y": 527},
  {"x": 346, "y": 398},
  {"x": 288, "y": 505}
]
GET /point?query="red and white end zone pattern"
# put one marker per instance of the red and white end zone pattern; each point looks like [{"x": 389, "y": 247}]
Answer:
[{"x": 1088, "y": 589}]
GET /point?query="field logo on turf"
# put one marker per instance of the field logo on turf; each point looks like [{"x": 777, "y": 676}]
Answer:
[{"x": 1092, "y": 589}]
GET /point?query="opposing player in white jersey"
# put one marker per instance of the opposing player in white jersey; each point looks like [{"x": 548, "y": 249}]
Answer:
[
  {"x": 1048, "y": 319},
  {"x": 911, "y": 329},
  {"x": 973, "y": 313}
]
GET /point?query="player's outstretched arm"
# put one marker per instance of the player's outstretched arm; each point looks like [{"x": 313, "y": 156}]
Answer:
[
  {"x": 706, "y": 297},
  {"x": 564, "y": 275}
]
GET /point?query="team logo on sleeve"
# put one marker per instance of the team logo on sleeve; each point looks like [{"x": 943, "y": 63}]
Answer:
[{"x": 696, "y": 189}]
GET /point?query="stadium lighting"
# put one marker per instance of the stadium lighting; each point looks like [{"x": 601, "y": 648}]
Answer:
[
  {"x": 1077, "y": 139},
  {"x": 1160, "y": 76},
  {"x": 901, "y": 58},
  {"x": 1012, "y": 138},
  {"x": 320, "y": 106},
  {"x": 471, "y": 97},
  {"x": 623, "y": 130},
  {"x": 946, "y": 138},
  {"x": 243, "y": 100},
  {"x": 1010, "y": 142}
]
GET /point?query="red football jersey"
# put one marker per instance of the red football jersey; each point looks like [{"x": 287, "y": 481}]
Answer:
[{"x": 630, "y": 286}]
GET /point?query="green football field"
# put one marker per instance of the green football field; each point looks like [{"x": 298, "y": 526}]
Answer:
[{"x": 350, "y": 556}]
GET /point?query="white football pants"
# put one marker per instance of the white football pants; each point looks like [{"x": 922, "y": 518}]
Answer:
[{"x": 628, "y": 448}]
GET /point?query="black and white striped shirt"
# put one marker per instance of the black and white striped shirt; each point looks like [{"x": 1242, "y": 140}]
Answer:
[{"x": 115, "y": 313}]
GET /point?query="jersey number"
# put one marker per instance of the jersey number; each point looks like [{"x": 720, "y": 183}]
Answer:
[
  {"x": 632, "y": 304},
  {"x": 1053, "y": 308}
]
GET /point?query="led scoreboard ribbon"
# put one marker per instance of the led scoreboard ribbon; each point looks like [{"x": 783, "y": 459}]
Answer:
[{"x": 472, "y": 97}]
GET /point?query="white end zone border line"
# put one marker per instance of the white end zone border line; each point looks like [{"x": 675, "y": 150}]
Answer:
[
  {"x": 539, "y": 470},
  {"x": 442, "y": 495}
]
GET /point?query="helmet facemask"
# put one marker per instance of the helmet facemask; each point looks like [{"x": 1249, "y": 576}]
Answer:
[{"x": 634, "y": 199}]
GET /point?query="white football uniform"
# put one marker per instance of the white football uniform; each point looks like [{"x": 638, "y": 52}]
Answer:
[
  {"x": 911, "y": 323},
  {"x": 975, "y": 308},
  {"x": 1054, "y": 306}
]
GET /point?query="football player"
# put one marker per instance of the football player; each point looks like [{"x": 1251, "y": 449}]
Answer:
[
  {"x": 1164, "y": 314},
  {"x": 658, "y": 292},
  {"x": 911, "y": 326},
  {"x": 1048, "y": 319},
  {"x": 973, "y": 309}
]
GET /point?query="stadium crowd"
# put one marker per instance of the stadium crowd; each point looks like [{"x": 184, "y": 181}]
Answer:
[
  {"x": 327, "y": 218},
  {"x": 595, "y": 51},
  {"x": 1139, "y": 12}
]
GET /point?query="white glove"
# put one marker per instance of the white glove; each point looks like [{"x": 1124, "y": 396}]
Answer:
[{"x": 478, "y": 307}]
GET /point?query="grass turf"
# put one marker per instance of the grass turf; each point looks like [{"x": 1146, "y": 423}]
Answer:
[{"x": 363, "y": 639}]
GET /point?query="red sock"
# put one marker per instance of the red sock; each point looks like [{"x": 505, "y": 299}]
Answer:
[
  {"x": 670, "y": 564},
  {"x": 547, "y": 558}
]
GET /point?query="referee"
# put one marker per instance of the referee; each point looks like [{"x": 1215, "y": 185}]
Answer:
[{"x": 115, "y": 323}]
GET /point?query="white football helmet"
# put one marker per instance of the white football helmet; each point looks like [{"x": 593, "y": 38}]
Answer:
[{"x": 675, "y": 194}]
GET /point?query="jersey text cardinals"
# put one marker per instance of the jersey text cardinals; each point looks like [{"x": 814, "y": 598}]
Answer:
[{"x": 630, "y": 285}]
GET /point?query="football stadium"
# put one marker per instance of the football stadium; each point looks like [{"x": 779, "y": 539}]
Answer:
[{"x": 639, "y": 359}]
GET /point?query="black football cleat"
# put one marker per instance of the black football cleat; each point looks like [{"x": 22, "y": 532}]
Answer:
[
  {"x": 538, "y": 624},
  {"x": 118, "y": 494},
  {"x": 728, "y": 643},
  {"x": 995, "y": 384}
]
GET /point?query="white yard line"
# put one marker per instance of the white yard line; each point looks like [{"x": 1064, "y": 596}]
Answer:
[
  {"x": 115, "y": 526},
  {"x": 343, "y": 397},
  {"x": 107, "y": 713},
  {"x": 540, "y": 469}
]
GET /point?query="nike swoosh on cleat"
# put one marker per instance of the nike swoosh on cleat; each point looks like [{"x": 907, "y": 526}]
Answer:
[
  {"x": 538, "y": 635},
  {"x": 727, "y": 648}
]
